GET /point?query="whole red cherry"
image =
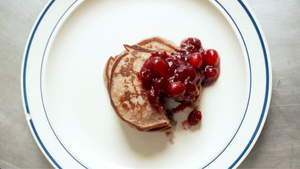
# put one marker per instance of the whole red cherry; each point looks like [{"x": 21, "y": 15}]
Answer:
[
  {"x": 195, "y": 60},
  {"x": 211, "y": 72},
  {"x": 159, "y": 67},
  {"x": 211, "y": 57},
  {"x": 175, "y": 89},
  {"x": 194, "y": 117}
]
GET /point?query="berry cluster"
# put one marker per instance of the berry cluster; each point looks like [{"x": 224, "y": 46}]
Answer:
[{"x": 180, "y": 75}]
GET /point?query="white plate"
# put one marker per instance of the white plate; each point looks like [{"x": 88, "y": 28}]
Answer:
[{"x": 67, "y": 106}]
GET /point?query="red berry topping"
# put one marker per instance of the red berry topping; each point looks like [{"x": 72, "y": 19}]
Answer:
[
  {"x": 173, "y": 63},
  {"x": 195, "y": 60},
  {"x": 194, "y": 117},
  {"x": 191, "y": 41},
  {"x": 180, "y": 75},
  {"x": 158, "y": 84},
  {"x": 211, "y": 57},
  {"x": 211, "y": 75},
  {"x": 175, "y": 89},
  {"x": 161, "y": 54},
  {"x": 184, "y": 73},
  {"x": 159, "y": 66},
  {"x": 154, "y": 100},
  {"x": 191, "y": 89},
  {"x": 211, "y": 72},
  {"x": 146, "y": 77}
]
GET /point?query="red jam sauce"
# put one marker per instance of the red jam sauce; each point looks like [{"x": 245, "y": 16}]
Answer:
[{"x": 180, "y": 75}]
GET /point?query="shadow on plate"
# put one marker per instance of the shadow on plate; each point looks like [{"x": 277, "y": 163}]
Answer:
[
  {"x": 144, "y": 143},
  {"x": 151, "y": 143}
]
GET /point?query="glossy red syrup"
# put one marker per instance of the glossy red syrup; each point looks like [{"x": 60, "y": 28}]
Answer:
[{"x": 180, "y": 75}]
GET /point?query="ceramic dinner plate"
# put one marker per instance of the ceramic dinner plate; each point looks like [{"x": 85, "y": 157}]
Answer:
[{"x": 68, "y": 109}]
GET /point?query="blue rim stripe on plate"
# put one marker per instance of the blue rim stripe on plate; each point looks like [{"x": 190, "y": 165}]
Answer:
[
  {"x": 27, "y": 53},
  {"x": 24, "y": 85},
  {"x": 267, "y": 84},
  {"x": 42, "y": 145},
  {"x": 254, "y": 134},
  {"x": 41, "y": 84},
  {"x": 250, "y": 89}
]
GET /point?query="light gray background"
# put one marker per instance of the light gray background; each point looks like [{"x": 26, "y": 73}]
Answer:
[{"x": 279, "y": 143}]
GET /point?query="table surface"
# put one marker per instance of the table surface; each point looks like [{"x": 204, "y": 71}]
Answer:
[{"x": 278, "y": 145}]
